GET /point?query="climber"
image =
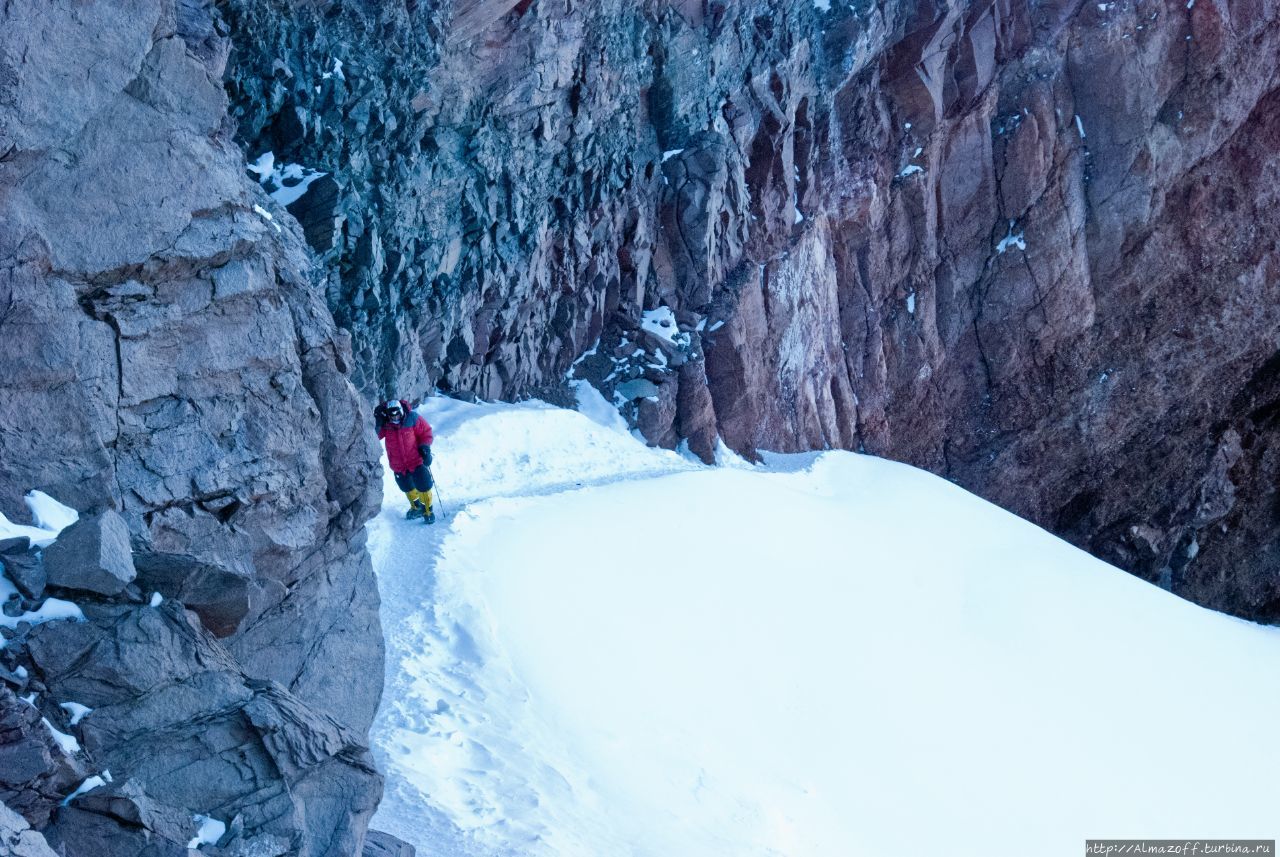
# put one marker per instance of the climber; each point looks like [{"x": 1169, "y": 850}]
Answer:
[{"x": 408, "y": 439}]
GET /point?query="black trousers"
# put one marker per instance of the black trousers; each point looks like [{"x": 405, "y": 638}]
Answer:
[{"x": 415, "y": 480}]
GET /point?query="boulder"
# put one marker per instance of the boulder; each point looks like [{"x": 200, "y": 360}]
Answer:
[
  {"x": 18, "y": 840},
  {"x": 76, "y": 832},
  {"x": 23, "y": 565},
  {"x": 92, "y": 555},
  {"x": 379, "y": 844}
]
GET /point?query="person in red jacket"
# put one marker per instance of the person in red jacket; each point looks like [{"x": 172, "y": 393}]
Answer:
[{"x": 408, "y": 440}]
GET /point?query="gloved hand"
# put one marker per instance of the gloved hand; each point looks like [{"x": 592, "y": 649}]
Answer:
[
  {"x": 379, "y": 417},
  {"x": 425, "y": 451}
]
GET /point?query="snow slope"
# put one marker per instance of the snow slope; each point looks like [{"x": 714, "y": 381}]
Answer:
[{"x": 604, "y": 649}]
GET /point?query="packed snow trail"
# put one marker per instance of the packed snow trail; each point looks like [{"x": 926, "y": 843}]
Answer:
[{"x": 831, "y": 655}]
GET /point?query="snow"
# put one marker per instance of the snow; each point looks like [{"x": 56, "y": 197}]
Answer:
[
  {"x": 595, "y": 407},
  {"x": 51, "y": 517},
  {"x": 661, "y": 322},
  {"x": 77, "y": 711},
  {"x": 51, "y": 610},
  {"x": 156, "y": 599},
  {"x": 209, "y": 832},
  {"x": 88, "y": 785},
  {"x": 299, "y": 179},
  {"x": 910, "y": 170},
  {"x": 267, "y": 215},
  {"x": 822, "y": 5},
  {"x": 285, "y": 184},
  {"x": 606, "y": 649},
  {"x": 1012, "y": 240},
  {"x": 48, "y": 513},
  {"x": 669, "y": 154},
  {"x": 911, "y": 303},
  {"x": 335, "y": 71},
  {"x": 726, "y": 457},
  {"x": 264, "y": 166},
  {"x": 1080, "y": 126},
  {"x": 68, "y": 743}
]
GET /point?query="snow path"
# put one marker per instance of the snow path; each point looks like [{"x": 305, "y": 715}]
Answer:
[
  {"x": 432, "y": 707},
  {"x": 606, "y": 650}
]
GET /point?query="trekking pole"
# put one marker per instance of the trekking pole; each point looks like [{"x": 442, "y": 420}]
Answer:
[{"x": 435, "y": 486}]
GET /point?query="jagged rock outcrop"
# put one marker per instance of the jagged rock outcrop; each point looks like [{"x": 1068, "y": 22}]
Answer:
[
  {"x": 962, "y": 235},
  {"x": 17, "y": 836},
  {"x": 35, "y": 774},
  {"x": 24, "y": 566},
  {"x": 169, "y": 362},
  {"x": 184, "y": 731}
]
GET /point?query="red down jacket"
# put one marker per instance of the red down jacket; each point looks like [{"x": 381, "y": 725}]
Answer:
[{"x": 403, "y": 440}]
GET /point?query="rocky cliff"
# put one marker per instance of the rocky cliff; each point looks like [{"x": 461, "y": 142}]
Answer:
[
  {"x": 1028, "y": 246},
  {"x": 1031, "y": 246},
  {"x": 171, "y": 370}
]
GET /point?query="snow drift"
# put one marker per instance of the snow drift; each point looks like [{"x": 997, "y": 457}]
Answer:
[{"x": 608, "y": 650}]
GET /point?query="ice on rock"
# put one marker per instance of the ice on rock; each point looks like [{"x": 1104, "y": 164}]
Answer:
[
  {"x": 209, "y": 831},
  {"x": 67, "y": 743},
  {"x": 77, "y": 711}
]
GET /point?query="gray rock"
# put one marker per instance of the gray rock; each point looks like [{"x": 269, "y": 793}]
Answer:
[
  {"x": 130, "y": 805},
  {"x": 92, "y": 555},
  {"x": 170, "y": 355},
  {"x": 18, "y": 840},
  {"x": 76, "y": 832},
  {"x": 220, "y": 597},
  {"x": 184, "y": 729},
  {"x": 35, "y": 775},
  {"x": 23, "y": 565},
  {"x": 379, "y": 844}
]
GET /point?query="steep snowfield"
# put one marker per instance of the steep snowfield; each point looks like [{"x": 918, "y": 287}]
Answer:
[{"x": 604, "y": 649}]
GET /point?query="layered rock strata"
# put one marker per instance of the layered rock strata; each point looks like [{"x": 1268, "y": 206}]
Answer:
[{"x": 1031, "y": 247}]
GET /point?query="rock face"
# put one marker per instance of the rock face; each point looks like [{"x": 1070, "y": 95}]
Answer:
[
  {"x": 171, "y": 370},
  {"x": 21, "y": 841},
  {"x": 34, "y": 773},
  {"x": 92, "y": 555},
  {"x": 185, "y": 731},
  {"x": 1031, "y": 247},
  {"x": 24, "y": 566}
]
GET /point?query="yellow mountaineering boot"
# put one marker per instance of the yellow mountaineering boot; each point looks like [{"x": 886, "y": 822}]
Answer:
[{"x": 415, "y": 504}]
